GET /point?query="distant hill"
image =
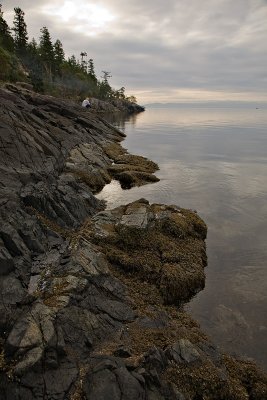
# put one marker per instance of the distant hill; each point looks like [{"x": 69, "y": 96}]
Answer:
[{"x": 211, "y": 104}]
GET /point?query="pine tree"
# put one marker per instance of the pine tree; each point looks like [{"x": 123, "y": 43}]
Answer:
[
  {"x": 20, "y": 31},
  {"x": 91, "y": 69},
  {"x": 72, "y": 61},
  {"x": 6, "y": 39},
  {"x": 46, "y": 51},
  {"x": 83, "y": 61},
  {"x": 33, "y": 47},
  {"x": 59, "y": 56},
  {"x": 105, "y": 90},
  {"x": 106, "y": 76},
  {"x": 34, "y": 65},
  {"x": 121, "y": 93},
  {"x": 131, "y": 99}
]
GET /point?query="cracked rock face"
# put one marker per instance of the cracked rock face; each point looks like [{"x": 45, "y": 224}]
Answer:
[{"x": 90, "y": 304}]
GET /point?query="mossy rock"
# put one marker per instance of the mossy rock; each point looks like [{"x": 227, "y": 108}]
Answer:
[
  {"x": 130, "y": 170},
  {"x": 168, "y": 252},
  {"x": 95, "y": 181},
  {"x": 114, "y": 151}
]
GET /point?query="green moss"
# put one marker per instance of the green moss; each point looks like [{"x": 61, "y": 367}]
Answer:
[
  {"x": 148, "y": 302},
  {"x": 130, "y": 170},
  {"x": 130, "y": 179},
  {"x": 204, "y": 381},
  {"x": 234, "y": 380},
  {"x": 96, "y": 181},
  {"x": 197, "y": 225},
  {"x": 138, "y": 161},
  {"x": 114, "y": 151},
  {"x": 249, "y": 375},
  {"x": 143, "y": 263},
  {"x": 173, "y": 258},
  {"x": 183, "y": 224}
]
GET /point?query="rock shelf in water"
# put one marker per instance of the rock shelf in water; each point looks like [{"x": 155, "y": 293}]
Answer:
[{"x": 91, "y": 300}]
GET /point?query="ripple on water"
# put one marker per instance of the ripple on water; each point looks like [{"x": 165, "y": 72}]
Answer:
[{"x": 249, "y": 284}]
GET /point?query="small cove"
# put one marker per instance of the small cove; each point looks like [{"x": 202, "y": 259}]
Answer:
[{"x": 213, "y": 160}]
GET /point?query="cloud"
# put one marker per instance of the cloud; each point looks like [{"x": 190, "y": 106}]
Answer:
[{"x": 156, "y": 46}]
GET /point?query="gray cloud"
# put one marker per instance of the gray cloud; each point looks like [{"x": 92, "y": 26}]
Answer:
[{"x": 156, "y": 46}]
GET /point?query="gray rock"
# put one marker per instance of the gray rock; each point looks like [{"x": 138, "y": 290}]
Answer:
[
  {"x": 135, "y": 217},
  {"x": 183, "y": 351},
  {"x": 30, "y": 335},
  {"x": 102, "y": 385},
  {"x": 130, "y": 387},
  {"x": 78, "y": 327},
  {"x": 30, "y": 359},
  {"x": 91, "y": 260},
  {"x": 188, "y": 352},
  {"x": 115, "y": 309},
  {"x": 59, "y": 381},
  {"x": 11, "y": 290},
  {"x": 6, "y": 260},
  {"x": 155, "y": 360},
  {"x": 25, "y": 335},
  {"x": 33, "y": 284},
  {"x": 12, "y": 240},
  {"x": 111, "y": 380}
]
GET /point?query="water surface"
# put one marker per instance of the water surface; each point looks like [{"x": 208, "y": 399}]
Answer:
[{"x": 214, "y": 161}]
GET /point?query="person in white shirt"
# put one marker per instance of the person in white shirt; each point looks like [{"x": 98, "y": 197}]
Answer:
[{"x": 86, "y": 103}]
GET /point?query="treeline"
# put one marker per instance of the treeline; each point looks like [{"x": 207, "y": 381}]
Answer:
[{"x": 45, "y": 66}]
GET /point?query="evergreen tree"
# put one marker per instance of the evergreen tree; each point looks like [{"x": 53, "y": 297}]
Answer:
[
  {"x": 20, "y": 31},
  {"x": 46, "y": 51},
  {"x": 120, "y": 94},
  {"x": 105, "y": 90},
  {"x": 91, "y": 69},
  {"x": 106, "y": 76},
  {"x": 59, "y": 56},
  {"x": 73, "y": 63},
  {"x": 6, "y": 39},
  {"x": 33, "y": 47},
  {"x": 83, "y": 61},
  {"x": 46, "y": 63},
  {"x": 34, "y": 64},
  {"x": 131, "y": 99}
]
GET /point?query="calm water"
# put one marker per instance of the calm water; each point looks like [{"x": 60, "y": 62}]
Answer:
[{"x": 214, "y": 161}]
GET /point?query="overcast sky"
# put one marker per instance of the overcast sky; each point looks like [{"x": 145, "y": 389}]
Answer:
[{"x": 163, "y": 50}]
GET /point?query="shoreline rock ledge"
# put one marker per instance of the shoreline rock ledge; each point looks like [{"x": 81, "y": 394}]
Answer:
[{"x": 91, "y": 303}]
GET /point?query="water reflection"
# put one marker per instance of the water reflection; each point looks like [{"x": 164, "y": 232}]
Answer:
[
  {"x": 214, "y": 161},
  {"x": 121, "y": 119}
]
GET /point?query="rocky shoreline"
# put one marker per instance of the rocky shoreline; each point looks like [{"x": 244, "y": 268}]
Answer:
[{"x": 91, "y": 300}]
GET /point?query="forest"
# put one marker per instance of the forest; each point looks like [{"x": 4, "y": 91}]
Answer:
[{"x": 44, "y": 65}]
